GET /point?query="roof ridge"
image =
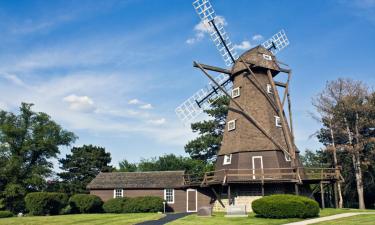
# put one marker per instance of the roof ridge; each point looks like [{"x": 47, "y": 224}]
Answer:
[{"x": 161, "y": 171}]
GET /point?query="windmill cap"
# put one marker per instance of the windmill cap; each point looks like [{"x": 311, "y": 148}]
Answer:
[{"x": 259, "y": 58}]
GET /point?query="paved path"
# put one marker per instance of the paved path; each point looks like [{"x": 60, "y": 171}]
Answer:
[
  {"x": 326, "y": 218},
  {"x": 166, "y": 219}
]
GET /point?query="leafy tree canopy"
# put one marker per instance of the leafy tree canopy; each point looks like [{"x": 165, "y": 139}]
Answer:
[
  {"x": 82, "y": 165},
  {"x": 28, "y": 141},
  {"x": 207, "y": 144}
]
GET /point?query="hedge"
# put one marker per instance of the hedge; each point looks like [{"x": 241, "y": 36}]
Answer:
[
  {"x": 134, "y": 205},
  {"x": 45, "y": 203},
  {"x": 143, "y": 204},
  {"x": 85, "y": 203},
  {"x": 4, "y": 214},
  {"x": 114, "y": 205},
  {"x": 285, "y": 206}
]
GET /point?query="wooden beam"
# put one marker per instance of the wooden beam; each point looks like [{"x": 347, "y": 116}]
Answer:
[
  {"x": 218, "y": 197},
  {"x": 229, "y": 196},
  {"x": 244, "y": 112},
  {"x": 212, "y": 68},
  {"x": 280, "y": 84},
  {"x": 282, "y": 118},
  {"x": 296, "y": 189}
]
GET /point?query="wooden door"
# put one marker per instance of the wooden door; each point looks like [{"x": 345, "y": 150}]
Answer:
[
  {"x": 257, "y": 162},
  {"x": 191, "y": 200}
]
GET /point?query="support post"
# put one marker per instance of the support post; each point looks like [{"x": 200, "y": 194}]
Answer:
[
  {"x": 229, "y": 196},
  {"x": 296, "y": 188},
  {"x": 322, "y": 195},
  {"x": 262, "y": 189}
]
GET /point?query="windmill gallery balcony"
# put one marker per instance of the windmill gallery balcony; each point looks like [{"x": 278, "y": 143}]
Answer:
[{"x": 267, "y": 175}]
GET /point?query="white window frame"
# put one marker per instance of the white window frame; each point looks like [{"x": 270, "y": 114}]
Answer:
[
  {"x": 278, "y": 121},
  {"x": 226, "y": 161},
  {"x": 114, "y": 193},
  {"x": 269, "y": 88},
  {"x": 187, "y": 200},
  {"x": 261, "y": 164},
  {"x": 236, "y": 92},
  {"x": 165, "y": 195},
  {"x": 229, "y": 125},
  {"x": 267, "y": 57},
  {"x": 287, "y": 157}
]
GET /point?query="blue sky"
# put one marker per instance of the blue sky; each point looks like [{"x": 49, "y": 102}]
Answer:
[{"x": 114, "y": 71}]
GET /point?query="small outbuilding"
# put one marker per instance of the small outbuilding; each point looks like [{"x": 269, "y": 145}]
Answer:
[{"x": 169, "y": 185}]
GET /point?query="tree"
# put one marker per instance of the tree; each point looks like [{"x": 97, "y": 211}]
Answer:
[
  {"x": 206, "y": 146},
  {"x": 28, "y": 141},
  {"x": 347, "y": 111},
  {"x": 126, "y": 166},
  {"x": 80, "y": 167},
  {"x": 167, "y": 162}
]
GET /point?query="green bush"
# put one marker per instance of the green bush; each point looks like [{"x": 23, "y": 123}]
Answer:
[
  {"x": 45, "y": 203},
  {"x": 4, "y": 214},
  {"x": 143, "y": 204},
  {"x": 114, "y": 205},
  {"x": 85, "y": 203},
  {"x": 285, "y": 206}
]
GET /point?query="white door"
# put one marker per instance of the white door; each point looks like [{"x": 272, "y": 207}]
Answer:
[
  {"x": 191, "y": 200},
  {"x": 257, "y": 162}
]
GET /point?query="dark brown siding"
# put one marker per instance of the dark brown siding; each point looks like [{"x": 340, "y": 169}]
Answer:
[{"x": 179, "y": 205}]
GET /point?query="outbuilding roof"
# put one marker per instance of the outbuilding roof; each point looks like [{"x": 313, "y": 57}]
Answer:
[{"x": 138, "y": 180}]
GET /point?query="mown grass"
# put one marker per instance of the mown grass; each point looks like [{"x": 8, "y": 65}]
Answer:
[
  {"x": 84, "y": 219},
  {"x": 219, "y": 219},
  {"x": 366, "y": 219}
]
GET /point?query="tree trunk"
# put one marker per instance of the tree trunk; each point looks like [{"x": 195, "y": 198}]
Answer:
[
  {"x": 356, "y": 164},
  {"x": 358, "y": 170},
  {"x": 335, "y": 164}
]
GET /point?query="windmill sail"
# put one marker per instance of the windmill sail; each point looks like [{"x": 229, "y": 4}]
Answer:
[
  {"x": 277, "y": 42},
  {"x": 218, "y": 34}
]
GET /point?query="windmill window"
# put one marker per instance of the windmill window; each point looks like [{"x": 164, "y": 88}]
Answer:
[
  {"x": 169, "y": 195},
  {"x": 287, "y": 157},
  {"x": 269, "y": 89},
  {"x": 118, "y": 193},
  {"x": 267, "y": 57},
  {"x": 231, "y": 125},
  {"x": 227, "y": 159},
  {"x": 236, "y": 92},
  {"x": 277, "y": 121}
]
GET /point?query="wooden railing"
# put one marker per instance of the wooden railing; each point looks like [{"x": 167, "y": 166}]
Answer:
[{"x": 263, "y": 175}]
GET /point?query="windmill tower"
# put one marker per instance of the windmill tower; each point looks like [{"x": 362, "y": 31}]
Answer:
[{"x": 258, "y": 154}]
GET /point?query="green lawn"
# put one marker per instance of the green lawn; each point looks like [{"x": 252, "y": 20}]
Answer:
[
  {"x": 353, "y": 220},
  {"x": 92, "y": 219},
  {"x": 218, "y": 219}
]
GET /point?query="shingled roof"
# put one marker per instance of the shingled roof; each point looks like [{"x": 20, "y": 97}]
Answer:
[{"x": 139, "y": 180}]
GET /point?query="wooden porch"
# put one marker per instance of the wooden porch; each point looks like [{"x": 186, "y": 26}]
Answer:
[{"x": 267, "y": 175}]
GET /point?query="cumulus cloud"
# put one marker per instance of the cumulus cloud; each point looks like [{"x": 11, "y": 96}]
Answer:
[
  {"x": 243, "y": 46},
  {"x": 158, "y": 121},
  {"x": 203, "y": 28},
  {"x": 146, "y": 106},
  {"x": 80, "y": 103},
  {"x": 134, "y": 102},
  {"x": 257, "y": 37}
]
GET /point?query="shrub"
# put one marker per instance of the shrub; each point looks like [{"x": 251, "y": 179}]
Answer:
[
  {"x": 285, "y": 206},
  {"x": 45, "y": 203},
  {"x": 4, "y": 214},
  {"x": 114, "y": 205},
  {"x": 85, "y": 203},
  {"x": 143, "y": 204}
]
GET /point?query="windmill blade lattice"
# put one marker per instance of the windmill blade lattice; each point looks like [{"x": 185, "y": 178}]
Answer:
[
  {"x": 277, "y": 42},
  {"x": 189, "y": 109},
  {"x": 208, "y": 16}
]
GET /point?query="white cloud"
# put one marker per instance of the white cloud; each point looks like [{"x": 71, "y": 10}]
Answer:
[
  {"x": 80, "y": 103},
  {"x": 13, "y": 78},
  {"x": 257, "y": 37},
  {"x": 134, "y": 102},
  {"x": 146, "y": 106},
  {"x": 203, "y": 27},
  {"x": 243, "y": 46},
  {"x": 158, "y": 121}
]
